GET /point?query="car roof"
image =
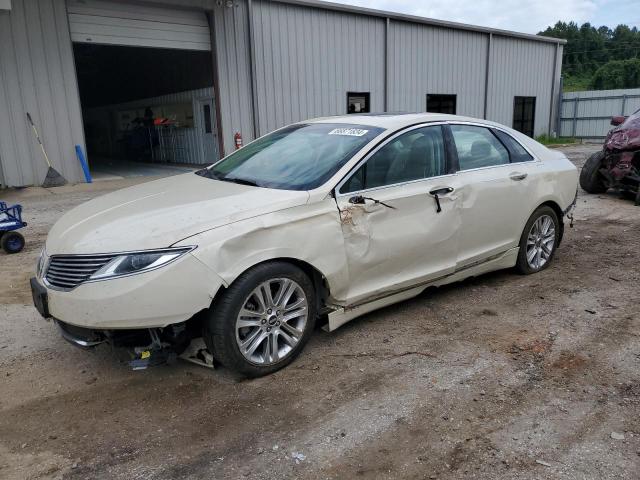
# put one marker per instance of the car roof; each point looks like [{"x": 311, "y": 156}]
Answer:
[{"x": 394, "y": 121}]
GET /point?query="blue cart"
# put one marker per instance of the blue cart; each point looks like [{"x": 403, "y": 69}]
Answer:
[{"x": 10, "y": 221}]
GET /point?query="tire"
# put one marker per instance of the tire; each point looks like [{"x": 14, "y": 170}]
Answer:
[
  {"x": 267, "y": 325},
  {"x": 540, "y": 239},
  {"x": 12, "y": 242},
  {"x": 591, "y": 180}
]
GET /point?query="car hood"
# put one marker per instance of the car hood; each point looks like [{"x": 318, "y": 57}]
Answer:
[{"x": 160, "y": 213}]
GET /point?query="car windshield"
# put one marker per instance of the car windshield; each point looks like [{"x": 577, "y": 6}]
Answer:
[
  {"x": 299, "y": 157},
  {"x": 633, "y": 118}
]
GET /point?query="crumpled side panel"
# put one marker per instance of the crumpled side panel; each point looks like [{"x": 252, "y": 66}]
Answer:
[{"x": 309, "y": 233}]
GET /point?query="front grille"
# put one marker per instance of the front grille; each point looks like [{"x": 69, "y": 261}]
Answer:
[{"x": 69, "y": 271}]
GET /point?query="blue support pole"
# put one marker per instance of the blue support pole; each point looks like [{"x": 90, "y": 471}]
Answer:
[{"x": 84, "y": 164}]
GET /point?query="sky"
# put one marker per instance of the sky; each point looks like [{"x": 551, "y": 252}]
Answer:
[{"x": 519, "y": 15}]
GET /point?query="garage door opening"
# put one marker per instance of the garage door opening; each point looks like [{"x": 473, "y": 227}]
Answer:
[{"x": 146, "y": 111}]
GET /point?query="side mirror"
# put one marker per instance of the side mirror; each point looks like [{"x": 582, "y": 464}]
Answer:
[{"x": 618, "y": 120}]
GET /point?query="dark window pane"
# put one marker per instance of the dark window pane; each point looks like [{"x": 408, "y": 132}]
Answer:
[
  {"x": 478, "y": 147},
  {"x": 441, "y": 104},
  {"x": 517, "y": 151},
  {"x": 206, "y": 111},
  {"x": 414, "y": 155},
  {"x": 358, "y": 102},
  {"x": 524, "y": 109}
]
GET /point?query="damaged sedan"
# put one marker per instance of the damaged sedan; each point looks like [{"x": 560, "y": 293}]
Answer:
[
  {"x": 320, "y": 221},
  {"x": 617, "y": 165}
]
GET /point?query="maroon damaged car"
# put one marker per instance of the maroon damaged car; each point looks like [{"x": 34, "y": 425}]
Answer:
[{"x": 617, "y": 165}]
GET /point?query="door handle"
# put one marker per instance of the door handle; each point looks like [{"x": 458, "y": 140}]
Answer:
[
  {"x": 518, "y": 177},
  {"x": 436, "y": 195}
]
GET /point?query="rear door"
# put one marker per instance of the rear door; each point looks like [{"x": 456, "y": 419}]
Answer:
[
  {"x": 495, "y": 195},
  {"x": 395, "y": 235}
]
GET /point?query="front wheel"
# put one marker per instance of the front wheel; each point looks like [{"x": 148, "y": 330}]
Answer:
[
  {"x": 262, "y": 322},
  {"x": 591, "y": 179},
  {"x": 539, "y": 241}
]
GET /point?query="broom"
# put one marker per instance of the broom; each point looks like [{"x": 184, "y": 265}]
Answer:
[{"x": 53, "y": 178}]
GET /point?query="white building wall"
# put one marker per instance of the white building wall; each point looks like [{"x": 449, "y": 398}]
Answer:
[
  {"x": 524, "y": 68},
  {"x": 425, "y": 60},
  {"x": 37, "y": 75}
]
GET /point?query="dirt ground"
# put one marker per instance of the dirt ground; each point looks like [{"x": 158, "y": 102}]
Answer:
[{"x": 502, "y": 376}]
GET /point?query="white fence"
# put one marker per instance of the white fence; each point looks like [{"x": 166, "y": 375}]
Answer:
[{"x": 588, "y": 114}]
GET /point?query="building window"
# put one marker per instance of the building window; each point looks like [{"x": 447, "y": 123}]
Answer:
[
  {"x": 441, "y": 104},
  {"x": 358, "y": 102},
  {"x": 206, "y": 112},
  {"x": 524, "y": 114}
]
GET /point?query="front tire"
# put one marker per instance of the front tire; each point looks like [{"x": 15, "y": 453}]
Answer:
[
  {"x": 591, "y": 179},
  {"x": 263, "y": 320},
  {"x": 539, "y": 241}
]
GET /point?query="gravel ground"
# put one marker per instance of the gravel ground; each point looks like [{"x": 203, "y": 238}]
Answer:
[{"x": 502, "y": 376}]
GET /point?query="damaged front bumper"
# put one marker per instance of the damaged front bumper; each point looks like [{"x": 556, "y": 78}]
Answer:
[{"x": 144, "y": 348}]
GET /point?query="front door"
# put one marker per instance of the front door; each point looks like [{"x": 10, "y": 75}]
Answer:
[
  {"x": 395, "y": 235},
  {"x": 207, "y": 131}
]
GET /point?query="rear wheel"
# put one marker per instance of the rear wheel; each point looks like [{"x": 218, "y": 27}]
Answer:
[
  {"x": 262, "y": 322},
  {"x": 12, "y": 242},
  {"x": 539, "y": 241},
  {"x": 591, "y": 179}
]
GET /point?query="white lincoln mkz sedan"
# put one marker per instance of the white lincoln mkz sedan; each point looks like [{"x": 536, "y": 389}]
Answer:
[{"x": 329, "y": 218}]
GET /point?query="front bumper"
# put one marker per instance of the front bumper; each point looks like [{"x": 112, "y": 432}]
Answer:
[{"x": 154, "y": 299}]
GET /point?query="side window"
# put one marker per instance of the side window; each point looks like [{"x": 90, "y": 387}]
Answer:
[
  {"x": 477, "y": 147},
  {"x": 414, "y": 155},
  {"x": 517, "y": 151}
]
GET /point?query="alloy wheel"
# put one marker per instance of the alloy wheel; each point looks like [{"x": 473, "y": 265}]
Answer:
[
  {"x": 541, "y": 242},
  {"x": 272, "y": 321}
]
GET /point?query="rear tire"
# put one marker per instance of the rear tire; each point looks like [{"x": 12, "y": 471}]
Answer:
[
  {"x": 591, "y": 179},
  {"x": 279, "y": 321},
  {"x": 12, "y": 242},
  {"x": 539, "y": 241}
]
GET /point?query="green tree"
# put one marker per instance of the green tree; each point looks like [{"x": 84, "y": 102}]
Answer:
[
  {"x": 589, "y": 49},
  {"x": 617, "y": 74}
]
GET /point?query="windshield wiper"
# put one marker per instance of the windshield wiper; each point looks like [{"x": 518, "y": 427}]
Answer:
[
  {"x": 208, "y": 173},
  {"x": 240, "y": 181}
]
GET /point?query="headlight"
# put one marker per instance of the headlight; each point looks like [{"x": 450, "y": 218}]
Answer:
[{"x": 138, "y": 262}]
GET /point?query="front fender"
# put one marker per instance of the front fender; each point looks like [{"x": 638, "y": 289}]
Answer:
[{"x": 309, "y": 233}]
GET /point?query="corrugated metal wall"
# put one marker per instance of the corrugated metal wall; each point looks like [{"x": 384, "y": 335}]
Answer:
[
  {"x": 588, "y": 114},
  {"x": 234, "y": 71},
  {"x": 520, "y": 68},
  {"x": 306, "y": 60},
  {"x": 431, "y": 60},
  {"x": 37, "y": 75},
  {"x": 190, "y": 141}
]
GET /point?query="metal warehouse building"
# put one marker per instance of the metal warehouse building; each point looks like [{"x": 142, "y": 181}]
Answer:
[{"x": 173, "y": 81}]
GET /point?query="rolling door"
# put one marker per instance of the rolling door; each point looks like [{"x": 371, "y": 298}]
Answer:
[{"x": 114, "y": 23}]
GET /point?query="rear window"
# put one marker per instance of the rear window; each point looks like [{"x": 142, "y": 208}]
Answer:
[
  {"x": 477, "y": 147},
  {"x": 517, "y": 151}
]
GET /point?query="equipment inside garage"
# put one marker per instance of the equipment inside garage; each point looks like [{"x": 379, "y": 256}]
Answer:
[{"x": 145, "y": 77}]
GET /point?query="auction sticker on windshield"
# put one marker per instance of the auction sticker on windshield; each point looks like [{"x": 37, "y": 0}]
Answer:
[{"x": 349, "y": 132}]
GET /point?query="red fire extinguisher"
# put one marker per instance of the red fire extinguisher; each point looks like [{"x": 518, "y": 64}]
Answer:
[{"x": 237, "y": 138}]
